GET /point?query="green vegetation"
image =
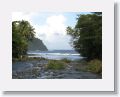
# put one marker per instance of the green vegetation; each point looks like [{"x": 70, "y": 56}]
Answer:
[
  {"x": 94, "y": 66},
  {"x": 22, "y": 33},
  {"x": 36, "y": 44},
  {"x": 66, "y": 60},
  {"x": 26, "y": 58},
  {"x": 23, "y": 40},
  {"x": 55, "y": 65},
  {"x": 87, "y": 35},
  {"x": 87, "y": 40}
]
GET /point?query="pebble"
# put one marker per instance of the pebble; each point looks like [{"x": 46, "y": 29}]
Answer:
[{"x": 39, "y": 71}]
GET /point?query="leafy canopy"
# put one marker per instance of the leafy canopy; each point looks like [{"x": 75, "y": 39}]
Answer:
[
  {"x": 87, "y": 35},
  {"x": 22, "y": 33}
]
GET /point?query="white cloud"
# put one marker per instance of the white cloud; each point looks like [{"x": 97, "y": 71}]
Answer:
[
  {"x": 57, "y": 23},
  {"x": 54, "y": 25},
  {"x": 52, "y": 32},
  {"x": 18, "y": 16}
]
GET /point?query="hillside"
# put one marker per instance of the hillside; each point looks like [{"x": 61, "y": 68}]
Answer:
[{"x": 36, "y": 44}]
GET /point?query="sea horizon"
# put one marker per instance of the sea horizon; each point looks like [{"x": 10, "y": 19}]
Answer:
[{"x": 55, "y": 54}]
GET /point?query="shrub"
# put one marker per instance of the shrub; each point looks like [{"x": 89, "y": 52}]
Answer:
[
  {"x": 36, "y": 58},
  {"x": 94, "y": 66},
  {"x": 55, "y": 65},
  {"x": 66, "y": 60}
]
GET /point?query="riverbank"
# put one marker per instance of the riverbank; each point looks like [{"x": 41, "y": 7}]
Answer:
[{"x": 40, "y": 68}]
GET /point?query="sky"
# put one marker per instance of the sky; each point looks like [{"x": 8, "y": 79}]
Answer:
[{"x": 50, "y": 27}]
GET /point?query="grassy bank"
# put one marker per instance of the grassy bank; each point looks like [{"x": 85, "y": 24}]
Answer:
[
  {"x": 55, "y": 65},
  {"x": 58, "y": 64},
  {"x": 26, "y": 58},
  {"x": 94, "y": 66}
]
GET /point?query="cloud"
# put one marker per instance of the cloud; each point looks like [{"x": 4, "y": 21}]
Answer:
[
  {"x": 54, "y": 25},
  {"x": 57, "y": 23},
  {"x": 52, "y": 31},
  {"x": 18, "y": 16}
]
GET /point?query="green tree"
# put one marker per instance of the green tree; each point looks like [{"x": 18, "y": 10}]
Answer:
[
  {"x": 22, "y": 33},
  {"x": 87, "y": 35}
]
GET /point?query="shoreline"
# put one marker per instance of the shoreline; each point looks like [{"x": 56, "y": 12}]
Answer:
[{"x": 39, "y": 68}]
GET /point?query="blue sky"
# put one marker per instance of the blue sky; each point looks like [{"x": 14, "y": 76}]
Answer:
[{"x": 50, "y": 27}]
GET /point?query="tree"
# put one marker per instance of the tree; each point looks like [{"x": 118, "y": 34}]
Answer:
[
  {"x": 87, "y": 35},
  {"x": 22, "y": 33}
]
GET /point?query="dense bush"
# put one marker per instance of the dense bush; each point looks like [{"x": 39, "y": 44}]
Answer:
[
  {"x": 22, "y": 33},
  {"x": 87, "y": 35},
  {"x": 94, "y": 66},
  {"x": 55, "y": 65},
  {"x": 66, "y": 60}
]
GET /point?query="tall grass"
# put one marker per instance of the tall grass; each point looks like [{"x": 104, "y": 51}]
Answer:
[
  {"x": 55, "y": 65},
  {"x": 66, "y": 60},
  {"x": 94, "y": 66}
]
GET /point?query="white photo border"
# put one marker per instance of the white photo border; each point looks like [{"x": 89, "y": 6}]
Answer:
[{"x": 104, "y": 84}]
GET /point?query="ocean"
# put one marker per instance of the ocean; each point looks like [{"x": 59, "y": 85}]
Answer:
[{"x": 56, "y": 54}]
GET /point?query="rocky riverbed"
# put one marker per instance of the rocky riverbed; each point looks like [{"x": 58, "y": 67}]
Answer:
[{"x": 37, "y": 70}]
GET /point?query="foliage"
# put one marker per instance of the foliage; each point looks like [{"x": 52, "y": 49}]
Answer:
[
  {"x": 66, "y": 60},
  {"x": 87, "y": 35},
  {"x": 36, "y": 44},
  {"x": 26, "y": 58},
  {"x": 55, "y": 65},
  {"x": 81, "y": 65},
  {"x": 94, "y": 66},
  {"x": 22, "y": 33}
]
